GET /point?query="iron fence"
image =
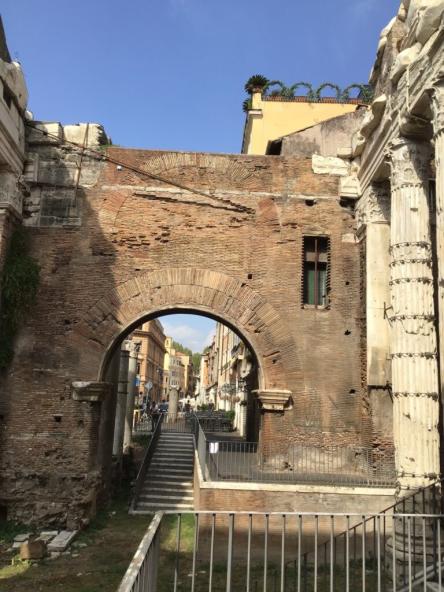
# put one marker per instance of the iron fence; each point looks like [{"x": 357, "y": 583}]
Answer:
[
  {"x": 274, "y": 552},
  {"x": 172, "y": 422},
  {"x": 246, "y": 461},
  {"x": 214, "y": 421}
]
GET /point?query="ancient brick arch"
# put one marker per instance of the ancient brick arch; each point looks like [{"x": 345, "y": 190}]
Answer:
[{"x": 199, "y": 290}]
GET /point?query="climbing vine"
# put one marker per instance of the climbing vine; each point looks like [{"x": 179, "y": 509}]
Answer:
[
  {"x": 18, "y": 284},
  {"x": 276, "y": 88}
]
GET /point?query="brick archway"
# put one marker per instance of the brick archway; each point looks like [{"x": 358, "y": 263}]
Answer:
[{"x": 208, "y": 292}]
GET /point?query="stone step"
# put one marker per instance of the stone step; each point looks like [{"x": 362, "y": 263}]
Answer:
[
  {"x": 162, "y": 467},
  {"x": 168, "y": 482},
  {"x": 173, "y": 457},
  {"x": 165, "y": 506},
  {"x": 165, "y": 477},
  {"x": 175, "y": 452},
  {"x": 178, "y": 466},
  {"x": 160, "y": 493},
  {"x": 176, "y": 436},
  {"x": 183, "y": 475},
  {"x": 145, "y": 498},
  {"x": 178, "y": 462}
]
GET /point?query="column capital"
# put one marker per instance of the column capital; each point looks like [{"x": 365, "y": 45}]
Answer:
[
  {"x": 437, "y": 105},
  {"x": 274, "y": 399},
  {"x": 374, "y": 205},
  {"x": 409, "y": 162}
]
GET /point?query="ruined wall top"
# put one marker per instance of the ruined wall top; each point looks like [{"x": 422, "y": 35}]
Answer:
[{"x": 4, "y": 51}]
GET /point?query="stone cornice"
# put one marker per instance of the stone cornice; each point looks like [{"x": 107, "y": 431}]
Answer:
[
  {"x": 90, "y": 392},
  {"x": 411, "y": 97},
  {"x": 274, "y": 399}
]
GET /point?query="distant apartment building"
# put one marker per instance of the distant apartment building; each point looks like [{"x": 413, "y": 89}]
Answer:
[
  {"x": 150, "y": 362},
  {"x": 226, "y": 370},
  {"x": 178, "y": 371},
  {"x": 271, "y": 117}
]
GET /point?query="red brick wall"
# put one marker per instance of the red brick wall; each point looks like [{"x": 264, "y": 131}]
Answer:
[{"x": 131, "y": 255}]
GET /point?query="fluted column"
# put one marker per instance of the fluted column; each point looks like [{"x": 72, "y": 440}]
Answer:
[
  {"x": 414, "y": 346},
  {"x": 438, "y": 127}
]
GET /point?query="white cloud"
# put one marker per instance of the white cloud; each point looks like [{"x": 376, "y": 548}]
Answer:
[
  {"x": 209, "y": 338},
  {"x": 362, "y": 8},
  {"x": 192, "y": 337}
]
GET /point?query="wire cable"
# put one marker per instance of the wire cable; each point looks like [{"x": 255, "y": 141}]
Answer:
[{"x": 102, "y": 156}]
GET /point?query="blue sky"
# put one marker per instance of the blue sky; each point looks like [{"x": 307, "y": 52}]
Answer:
[
  {"x": 170, "y": 73},
  {"x": 193, "y": 331}
]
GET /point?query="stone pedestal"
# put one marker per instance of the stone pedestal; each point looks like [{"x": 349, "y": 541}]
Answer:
[
  {"x": 173, "y": 402},
  {"x": 414, "y": 346}
]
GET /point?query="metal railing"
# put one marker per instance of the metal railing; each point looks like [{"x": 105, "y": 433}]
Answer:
[
  {"x": 141, "y": 575},
  {"x": 172, "y": 422},
  {"x": 252, "y": 551},
  {"x": 214, "y": 421},
  {"x": 247, "y": 462},
  {"x": 146, "y": 461},
  {"x": 163, "y": 422},
  {"x": 244, "y": 461},
  {"x": 331, "y": 465},
  {"x": 427, "y": 500}
]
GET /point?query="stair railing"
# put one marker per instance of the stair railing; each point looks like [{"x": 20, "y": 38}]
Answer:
[
  {"x": 423, "y": 501},
  {"x": 201, "y": 445},
  {"x": 140, "y": 479}
]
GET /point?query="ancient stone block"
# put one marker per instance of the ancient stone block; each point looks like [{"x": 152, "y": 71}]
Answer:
[
  {"x": 32, "y": 550},
  {"x": 62, "y": 541}
]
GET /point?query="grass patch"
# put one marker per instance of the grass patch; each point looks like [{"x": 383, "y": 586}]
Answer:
[
  {"x": 112, "y": 539},
  {"x": 16, "y": 568},
  {"x": 9, "y": 530}
]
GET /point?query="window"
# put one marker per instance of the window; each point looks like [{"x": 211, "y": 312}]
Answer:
[{"x": 315, "y": 270}]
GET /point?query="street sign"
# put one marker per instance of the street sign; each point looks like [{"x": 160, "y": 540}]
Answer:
[{"x": 148, "y": 386}]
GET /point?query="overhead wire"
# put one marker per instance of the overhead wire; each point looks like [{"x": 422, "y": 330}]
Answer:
[{"x": 103, "y": 156}]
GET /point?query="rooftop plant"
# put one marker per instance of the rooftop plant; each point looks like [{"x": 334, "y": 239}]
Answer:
[
  {"x": 277, "y": 88},
  {"x": 257, "y": 81}
]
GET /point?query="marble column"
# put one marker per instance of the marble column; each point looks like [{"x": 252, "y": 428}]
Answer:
[
  {"x": 413, "y": 343},
  {"x": 129, "y": 411},
  {"x": 438, "y": 128},
  {"x": 119, "y": 426}
]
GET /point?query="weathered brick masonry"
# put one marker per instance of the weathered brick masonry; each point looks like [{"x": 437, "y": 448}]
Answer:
[{"x": 125, "y": 246}]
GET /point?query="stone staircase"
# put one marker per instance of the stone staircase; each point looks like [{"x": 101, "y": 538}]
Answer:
[{"x": 168, "y": 483}]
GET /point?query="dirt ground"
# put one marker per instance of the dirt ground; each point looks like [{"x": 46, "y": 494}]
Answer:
[{"x": 95, "y": 562}]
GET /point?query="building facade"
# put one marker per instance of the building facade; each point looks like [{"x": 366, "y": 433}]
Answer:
[
  {"x": 151, "y": 359},
  {"x": 270, "y": 117},
  {"x": 178, "y": 371}
]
